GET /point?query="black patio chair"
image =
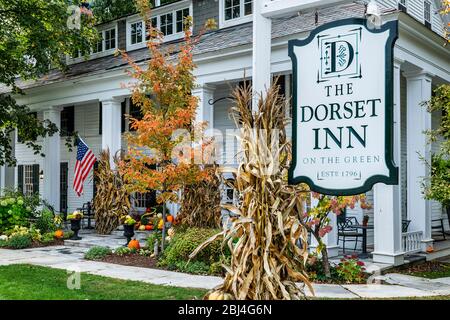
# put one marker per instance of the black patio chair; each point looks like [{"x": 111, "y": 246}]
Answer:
[{"x": 347, "y": 232}]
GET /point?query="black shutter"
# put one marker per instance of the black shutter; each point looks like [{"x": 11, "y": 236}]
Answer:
[
  {"x": 124, "y": 110},
  {"x": 100, "y": 121},
  {"x": 20, "y": 178},
  {"x": 68, "y": 120},
  {"x": 63, "y": 186},
  {"x": 36, "y": 178}
]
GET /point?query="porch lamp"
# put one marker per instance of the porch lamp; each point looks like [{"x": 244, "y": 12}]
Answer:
[{"x": 41, "y": 175}]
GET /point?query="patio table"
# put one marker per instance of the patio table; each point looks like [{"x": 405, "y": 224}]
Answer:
[{"x": 364, "y": 229}]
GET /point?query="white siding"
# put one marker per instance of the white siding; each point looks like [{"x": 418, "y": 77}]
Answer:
[
  {"x": 26, "y": 156},
  {"x": 415, "y": 9}
]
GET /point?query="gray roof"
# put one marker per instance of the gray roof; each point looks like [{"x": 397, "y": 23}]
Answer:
[{"x": 213, "y": 41}]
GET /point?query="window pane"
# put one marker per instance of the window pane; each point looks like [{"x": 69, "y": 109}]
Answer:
[
  {"x": 248, "y": 7},
  {"x": 167, "y": 24},
  {"x": 227, "y": 14},
  {"x": 181, "y": 15},
  {"x": 136, "y": 32},
  {"x": 236, "y": 12},
  {"x": 110, "y": 39},
  {"x": 427, "y": 11}
]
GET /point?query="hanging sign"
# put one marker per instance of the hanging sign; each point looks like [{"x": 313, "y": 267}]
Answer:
[{"x": 343, "y": 107}]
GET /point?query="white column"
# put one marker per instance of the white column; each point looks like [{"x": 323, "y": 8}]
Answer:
[
  {"x": 262, "y": 45},
  {"x": 330, "y": 239},
  {"x": 418, "y": 120},
  {"x": 112, "y": 126},
  {"x": 52, "y": 160},
  {"x": 2, "y": 179},
  {"x": 205, "y": 111},
  {"x": 387, "y": 204}
]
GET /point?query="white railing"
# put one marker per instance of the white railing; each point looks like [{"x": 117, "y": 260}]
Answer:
[{"x": 411, "y": 241}]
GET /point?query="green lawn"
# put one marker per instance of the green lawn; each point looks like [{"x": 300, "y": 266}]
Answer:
[{"x": 27, "y": 282}]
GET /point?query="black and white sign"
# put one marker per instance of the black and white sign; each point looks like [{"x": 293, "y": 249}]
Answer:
[{"x": 343, "y": 107}]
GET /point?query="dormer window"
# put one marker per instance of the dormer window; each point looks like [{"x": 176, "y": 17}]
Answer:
[
  {"x": 110, "y": 39},
  {"x": 98, "y": 47},
  {"x": 181, "y": 15},
  {"x": 136, "y": 32},
  {"x": 166, "y": 26},
  {"x": 168, "y": 18},
  {"x": 402, "y": 5},
  {"x": 234, "y": 12},
  {"x": 106, "y": 44},
  {"x": 427, "y": 13}
]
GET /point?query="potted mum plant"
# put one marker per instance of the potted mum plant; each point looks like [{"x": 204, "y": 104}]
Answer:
[
  {"x": 128, "y": 228},
  {"x": 75, "y": 223}
]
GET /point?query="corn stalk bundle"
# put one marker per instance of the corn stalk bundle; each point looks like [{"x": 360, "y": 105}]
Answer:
[
  {"x": 266, "y": 239},
  {"x": 111, "y": 201},
  {"x": 200, "y": 204}
]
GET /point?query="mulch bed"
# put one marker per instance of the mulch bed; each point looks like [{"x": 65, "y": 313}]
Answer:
[
  {"x": 58, "y": 242},
  {"x": 134, "y": 260},
  {"x": 37, "y": 244},
  {"x": 429, "y": 266}
]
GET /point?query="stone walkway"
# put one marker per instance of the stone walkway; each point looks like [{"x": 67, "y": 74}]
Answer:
[{"x": 71, "y": 258}]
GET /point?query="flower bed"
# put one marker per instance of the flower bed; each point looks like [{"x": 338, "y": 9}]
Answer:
[{"x": 349, "y": 270}]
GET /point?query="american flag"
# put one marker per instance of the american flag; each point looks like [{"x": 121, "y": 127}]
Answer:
[{"x": 85, "y": 161}]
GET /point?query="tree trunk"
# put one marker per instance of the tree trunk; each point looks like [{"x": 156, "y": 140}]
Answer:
[
  {"x": 325, "y": 262},
  {"x": 324, "y": 252},
  {"x": 163, "y": 240}
]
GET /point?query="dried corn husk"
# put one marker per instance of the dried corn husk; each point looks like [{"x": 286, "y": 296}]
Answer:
[
  {"x": 112, "y": 199},
  {"x": 264, "y": 239}
]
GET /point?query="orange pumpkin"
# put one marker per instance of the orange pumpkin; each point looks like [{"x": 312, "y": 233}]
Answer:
[
  {"x": 148, "y": 227},
  {"x": 169, "y": 218},
  {"x": 59, "y": 234},
  {"x": 134, "y": 244}
]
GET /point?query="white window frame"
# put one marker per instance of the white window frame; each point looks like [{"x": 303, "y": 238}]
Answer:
[
  {"x": 104, "y": 52},
  {"x": 429, "y": 13},
  {"x": 157, "y": 12},
  {"x": 133, "y": 46},
  {"x": 403, "y": 3},
  {"x": 28, "y": 179},
  {"x": 232, "y": 22}
]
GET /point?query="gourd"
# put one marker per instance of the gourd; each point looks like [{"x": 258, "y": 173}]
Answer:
[
  {"x": 59, "y": 234},
  {"x": 134, "y": 244},
  {"x": 169, "y": 218}
]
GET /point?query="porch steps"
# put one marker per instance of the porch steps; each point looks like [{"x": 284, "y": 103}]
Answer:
[
  {"x": 114, "y": 240},
  {"x": 441, "y": 249}
]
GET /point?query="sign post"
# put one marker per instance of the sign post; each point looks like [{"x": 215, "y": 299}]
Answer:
[{"x": 343, "y": 107}]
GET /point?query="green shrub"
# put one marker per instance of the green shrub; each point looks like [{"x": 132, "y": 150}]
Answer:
[
  {"x": 13, "y": 212},
  {"x": 48, "y": 237},
  {"x": 68, "y": 234},
  {"x": 97, "y": 253},
  {"x": 3, "y": 243},
  {"x": 45, "y": 222},
  {"x": 19, "y": 241},
  {"x": 155, "y": 235},
  {"x": 195, "y": 267},
  {"x": 351, "y": 270},
  {"x": 185, "y": 242},
  {"x": 122, "y": 251}
]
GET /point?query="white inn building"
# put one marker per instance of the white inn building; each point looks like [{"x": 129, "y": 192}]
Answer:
[{"x": 90, "y": 100}]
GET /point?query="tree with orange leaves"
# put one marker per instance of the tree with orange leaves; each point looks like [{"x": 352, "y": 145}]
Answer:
[{"x": 160, "y": 153}]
